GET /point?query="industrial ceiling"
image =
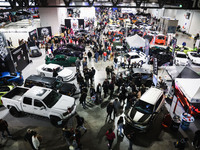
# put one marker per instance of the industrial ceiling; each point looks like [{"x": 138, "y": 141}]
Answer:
[{"x": 10, "y": 5}]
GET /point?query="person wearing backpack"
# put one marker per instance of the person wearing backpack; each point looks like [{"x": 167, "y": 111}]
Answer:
[{"x": 80, "y": 123}]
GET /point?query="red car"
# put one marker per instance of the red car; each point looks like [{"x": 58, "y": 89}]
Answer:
[{"x": 161, "y": 39}]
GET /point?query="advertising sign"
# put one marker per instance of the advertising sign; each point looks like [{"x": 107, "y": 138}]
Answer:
[
  {"x": 44, "y": 31},
  {"x": 20, "y": 57},
  {"x": 3, "y": 49},
  {"x": 33, "y": 34},
  {"x": 155, "y": 66}
]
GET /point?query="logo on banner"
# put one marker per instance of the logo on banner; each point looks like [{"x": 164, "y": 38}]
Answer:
[
  {"x": 44, "y": 32},
  {"x": 3, "y": 50}
]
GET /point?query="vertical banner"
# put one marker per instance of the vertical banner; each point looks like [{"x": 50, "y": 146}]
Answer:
[
  {"x": 3, "y": 49},
  {"x": 155, "y": 66},
  {"x": 20, "y": 57},
  {"x": 147, "y": 47},
  {"x": 33, "y": 34}
]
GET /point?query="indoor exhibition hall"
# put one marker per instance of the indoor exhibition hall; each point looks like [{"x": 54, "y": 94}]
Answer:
[{"x": 99, "y": 75}]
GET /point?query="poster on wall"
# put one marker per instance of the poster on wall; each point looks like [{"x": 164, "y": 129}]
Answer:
[
  {"x": 33, "y": 34},
  {"x": 44, "y": 31},
  {"x": 20, "y": 57},
  {"x": 3, "y": 49},
  {"x": 74, "y": 24}
]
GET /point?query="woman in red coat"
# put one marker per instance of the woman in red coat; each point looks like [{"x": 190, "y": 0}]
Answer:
[{"x": 110, "y": 137}]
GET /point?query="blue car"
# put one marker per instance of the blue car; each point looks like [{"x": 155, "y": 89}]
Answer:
[{"x": 9, "y": 78}]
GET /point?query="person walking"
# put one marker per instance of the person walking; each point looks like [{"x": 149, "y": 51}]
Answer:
[
  {"x": 96, "y": 55},
  {"x": 120, "y": 124},
  {"x": 109, "y": 110},
  {"x": 110, "y": 135},
  {"x": 111, "y": 88},
  {"x": 78, "y": 64},
  {"x": 99, "y": 90},
  {"x": 105, "y": 87},
  {"x": 130, "y": 139},
  {"x": 115, "y": 62},
  {"x": 83, "y": 99},
  {"x": 35, "y": 141},
  {"x": 80, "y": 123},
  {"x": 116, "y": 105},
  {"x": 28, "y": 137},
  {"x": 108, "y": 72},
  {"x": 105, "y": 55},
  {"x": 4, "y": 127},
  {"x": 89, "y": 55}
]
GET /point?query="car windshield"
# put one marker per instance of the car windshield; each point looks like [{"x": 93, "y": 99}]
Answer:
[
  {"x": 52, "y": 98},
  {"x": 58, "y": 69},
  {"x": 127, "y": 55},
  {"x": 35, "y": 51},
  {"x": 181, "y": 55},
  {"x": 161, "y": 37},
  {"x": 144, "y": 107},
  {"x": 195, "y": 55}
]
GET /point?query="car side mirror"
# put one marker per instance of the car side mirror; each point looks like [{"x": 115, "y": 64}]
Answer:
[{"x": 42, "y": 107}]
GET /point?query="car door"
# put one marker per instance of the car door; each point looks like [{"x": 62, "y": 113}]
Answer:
[
  {"x": 27, "y": 105},
  {"x": 48, "y": 72},
  {"x": 39, "y": 108}
]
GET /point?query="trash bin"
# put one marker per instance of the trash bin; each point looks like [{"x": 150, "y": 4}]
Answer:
[
  {"x": 176, "y": 121},
  {"x": 186, "y": 119}
]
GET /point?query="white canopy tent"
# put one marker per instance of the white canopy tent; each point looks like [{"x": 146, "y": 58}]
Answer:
[
  {"x": 190, "y": 87},
  {"x": 135, "y": 41}
]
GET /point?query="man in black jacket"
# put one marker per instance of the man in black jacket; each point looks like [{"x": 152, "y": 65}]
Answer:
[
  {"x": 109, "y": 109},
  {"x": 89, "y": 55},
  {"x": 80, "y": 123},
  {"x": 105, "y": 87}
]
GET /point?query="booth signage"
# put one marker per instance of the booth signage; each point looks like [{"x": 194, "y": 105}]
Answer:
[
  {"x": 155, "y": 66},
  {"x": 3, "y": 49},
  {"x": 20, "y": 57},
  {"x": 44, "y": 31},
  {"x": 33, "y": 34}
]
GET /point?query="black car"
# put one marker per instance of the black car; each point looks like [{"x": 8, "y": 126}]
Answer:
[
  {"x": 49, "y": 82},
  {"x": 82, "y": 32},
  {"x": 135, "y": 73},
  {"x": 68, "y": 52},
  {"x": 163, "y": 55},
  {"x": 76, "y": 47}
]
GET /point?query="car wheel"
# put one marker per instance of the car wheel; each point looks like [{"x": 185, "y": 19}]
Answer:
[
  {"x": 14, "y": 112},
  {"x": 42, "y": 74},
  {"x": 60, "y": 79},
  {"x": 55, "y": 121}
]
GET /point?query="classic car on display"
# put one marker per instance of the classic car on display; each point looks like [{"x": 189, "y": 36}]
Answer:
[
  {"x": 194, "y": 57},
  {"x": 7, "y": 78},
  {"x": 65, "y": 61},
  {"x": 64, "y": 74},
  {"x": 5, "y": 89}
]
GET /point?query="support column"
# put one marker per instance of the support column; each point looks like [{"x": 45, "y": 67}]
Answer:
[{"x": 49, "y": 17}]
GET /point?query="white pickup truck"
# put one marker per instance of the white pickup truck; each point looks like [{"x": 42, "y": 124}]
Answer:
[{"x": 39, "y": 101}]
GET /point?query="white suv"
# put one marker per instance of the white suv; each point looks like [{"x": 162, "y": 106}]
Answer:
[
  {"x": 181, "y": 59},
  {"x": 144, "y": 110}
]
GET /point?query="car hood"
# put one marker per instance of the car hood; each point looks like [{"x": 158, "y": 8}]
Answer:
[
  {"x": 139, "y": 117},
  {"x": 64, "y": 103},
  {"x": 182, "y": 59},
  {"x": 65, "y": 72}
]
